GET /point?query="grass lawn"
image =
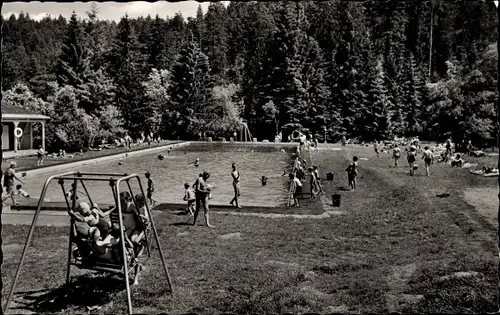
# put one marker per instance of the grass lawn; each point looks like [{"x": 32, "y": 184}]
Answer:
[{"x": 395, "y": 246}]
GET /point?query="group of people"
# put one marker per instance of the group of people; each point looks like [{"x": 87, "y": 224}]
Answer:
[
  {"x": 13, "y": 191},
  {"x": 98, "y": 239}
]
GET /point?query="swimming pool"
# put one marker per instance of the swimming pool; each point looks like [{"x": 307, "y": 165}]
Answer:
[{"x": 170, "y": 174}]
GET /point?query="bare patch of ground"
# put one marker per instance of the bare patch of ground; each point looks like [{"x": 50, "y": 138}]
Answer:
[{"x": 484, "y": 199}]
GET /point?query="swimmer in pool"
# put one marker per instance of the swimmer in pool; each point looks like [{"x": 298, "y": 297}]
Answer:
[{"x": 196, "y": 162}]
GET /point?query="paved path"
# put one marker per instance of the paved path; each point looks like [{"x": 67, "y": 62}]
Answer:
[{"x": 25, "y": 217}]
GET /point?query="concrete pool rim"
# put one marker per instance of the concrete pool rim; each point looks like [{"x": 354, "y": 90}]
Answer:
[{"x": 60, "y": 167}]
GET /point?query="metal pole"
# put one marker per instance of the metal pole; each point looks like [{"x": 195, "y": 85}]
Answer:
[
  {"x": 73, "y": 206},
  {"x": 28, "y": 240},
  {"x": 124, "y": 250},
  {"x": 152, "y": 222},
  {"x": 139, "y": 219},
  {"x": 498, "y": 144}
]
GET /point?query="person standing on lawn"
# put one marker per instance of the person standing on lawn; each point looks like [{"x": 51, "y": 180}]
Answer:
[
  {"x": 40, "y": 154},
  {"x": 352, "y": 172},
  {"x": 396, "y": 154},
  {"x": 375, "y": 147},
  {"x": 428, "y": 159},
  {"x": 296, "y": 190},
  {"x": 411, "y": 159},
  {"x": 8, "y": 182},
  {"x": 202, "y": 192}
]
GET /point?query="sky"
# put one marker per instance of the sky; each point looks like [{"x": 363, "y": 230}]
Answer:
[{"x": 107, "y": 10}]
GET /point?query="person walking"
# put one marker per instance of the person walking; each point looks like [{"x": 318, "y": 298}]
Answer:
[
  {"x": 202, "y": 194},
  {"x": 235, "y": 174},
  {"x": 396, "y": 154},
  {"x": 428, "y": 158},
  {"x": 8, "y": 182},
  {"x": 411, "y": 159},
  {"x": 40, "y": 154}
]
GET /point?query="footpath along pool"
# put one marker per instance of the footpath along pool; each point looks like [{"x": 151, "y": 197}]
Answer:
[{"x": 170, "y": 174}]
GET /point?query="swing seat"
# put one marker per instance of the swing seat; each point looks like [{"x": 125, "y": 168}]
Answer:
[{"x": 81, "y": 255}]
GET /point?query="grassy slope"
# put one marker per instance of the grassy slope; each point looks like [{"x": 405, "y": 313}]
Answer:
[{"x": 395, "y": 238}]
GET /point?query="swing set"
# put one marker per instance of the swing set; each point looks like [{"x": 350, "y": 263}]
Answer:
[{"x": 125, "y": 263}]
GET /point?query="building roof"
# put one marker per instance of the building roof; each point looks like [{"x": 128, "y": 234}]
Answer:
[{"x": 13, "y": 113}]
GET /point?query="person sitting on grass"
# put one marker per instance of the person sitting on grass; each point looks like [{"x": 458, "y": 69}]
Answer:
[
  {"x": 190, "y": 198},
  {"x": 457, "y": 161},
  {"x": 352, "y": 172},
  {"x": 296, "y": 189}
]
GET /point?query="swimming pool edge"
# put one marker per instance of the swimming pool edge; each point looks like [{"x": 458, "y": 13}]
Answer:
[{"x": 75, "y": 164}]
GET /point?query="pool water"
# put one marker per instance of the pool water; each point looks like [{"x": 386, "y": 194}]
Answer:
[{"x": 170, "y": 174}]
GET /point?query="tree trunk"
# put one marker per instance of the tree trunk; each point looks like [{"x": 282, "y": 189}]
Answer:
[
  {"x": 1, "y": 158},
  {"x": 498, "y": 144},
  {"x": 430, "y": 40}
]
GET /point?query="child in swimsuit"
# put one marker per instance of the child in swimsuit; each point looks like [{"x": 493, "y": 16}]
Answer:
[
  {"x": 190, "y": 198},
  {"x": 396, "y": 154},
  {"x": 352, "y": 172},
  {"x": 318, "y": 180},
  {"x": 22, "y": 192},
  {"x": 411, "y": 159},
  {"x": 150, "y": 189}
]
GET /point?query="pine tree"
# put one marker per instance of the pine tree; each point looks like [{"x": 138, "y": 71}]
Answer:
[
  {"x": 259, "y": 26},
  {"x": 74, "y": 60},
  {"x": 127, "y": 69},
  {"x": 378, "y": 118},
  {"x": 156, "y": 45},
  {"x": 190, "y": 92},
  {"x": 95, "y": 38},
  {"x": 98, "y": 92},
  {"x": 214, "y": 43}
]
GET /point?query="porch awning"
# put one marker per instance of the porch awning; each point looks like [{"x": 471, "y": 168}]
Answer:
[{"x": 10, "y": 113}]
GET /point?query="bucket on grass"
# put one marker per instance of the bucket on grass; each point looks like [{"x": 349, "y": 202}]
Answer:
[
  {"x": 329, "y": 176},
  {"x": 336, "y": 200}
]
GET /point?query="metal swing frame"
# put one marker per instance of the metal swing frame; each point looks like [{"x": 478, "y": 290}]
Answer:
[{"x": 114, "y": 181}]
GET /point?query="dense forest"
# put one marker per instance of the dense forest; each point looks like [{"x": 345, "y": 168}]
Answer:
[{"x": 370, "y": 69}]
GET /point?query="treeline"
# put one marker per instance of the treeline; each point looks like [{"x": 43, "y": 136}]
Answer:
[{"x": 372, "y": 69}]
